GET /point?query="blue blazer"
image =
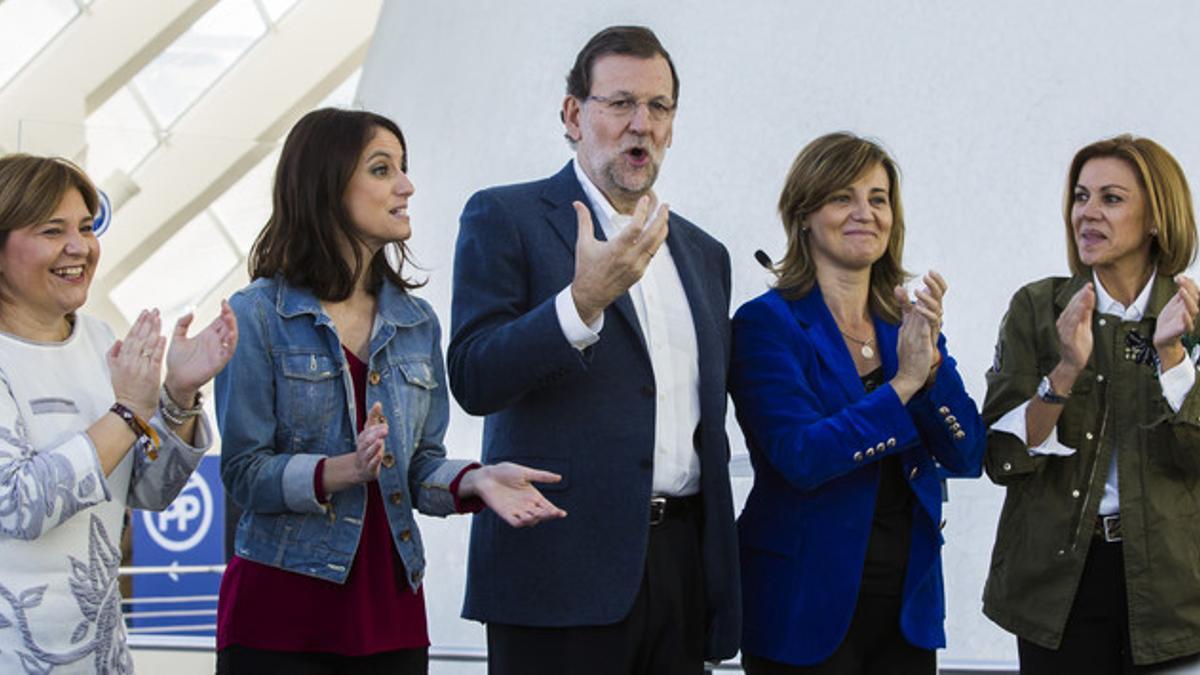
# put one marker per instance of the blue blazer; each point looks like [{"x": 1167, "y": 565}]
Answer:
[
  {"x": 588, "y": 416},
  {"x": 815, "y": 438}
]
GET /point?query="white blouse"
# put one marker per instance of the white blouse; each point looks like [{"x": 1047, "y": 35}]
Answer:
[{"x": 60, "y": 516}]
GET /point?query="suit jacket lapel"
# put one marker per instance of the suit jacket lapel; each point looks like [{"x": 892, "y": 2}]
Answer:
[
  {"x": 812, "y": 313},
  {"x": 688, "y": 263},
  {"x": 563, "y": 189}
]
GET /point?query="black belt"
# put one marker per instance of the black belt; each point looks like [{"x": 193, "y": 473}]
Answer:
[
  {"x": 662, "y": 508},
  {"x": 1108, "y": 528}
]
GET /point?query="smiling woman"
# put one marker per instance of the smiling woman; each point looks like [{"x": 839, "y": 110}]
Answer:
[
  {"x": 85, "y": 427},
  {"x": 852, "y": 408}
]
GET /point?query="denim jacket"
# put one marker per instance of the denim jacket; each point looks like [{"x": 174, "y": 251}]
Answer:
[{"x": 286, "y": 400}]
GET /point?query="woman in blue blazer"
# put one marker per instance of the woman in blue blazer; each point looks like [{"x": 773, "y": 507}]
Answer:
[{"x": 852, "y": 410}]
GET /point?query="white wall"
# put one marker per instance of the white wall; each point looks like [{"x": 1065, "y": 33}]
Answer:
[{"x": 982, "y": 103}]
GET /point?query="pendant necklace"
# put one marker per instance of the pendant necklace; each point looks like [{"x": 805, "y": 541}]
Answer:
[{"x": 864, "y": 346}]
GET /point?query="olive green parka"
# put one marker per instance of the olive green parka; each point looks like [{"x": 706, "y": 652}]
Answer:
[{"x": 1051, "y": 503}]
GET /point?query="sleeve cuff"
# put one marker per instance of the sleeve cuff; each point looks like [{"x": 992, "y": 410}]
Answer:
[
  {"x": 580, "y": 335},
  {"x": 470, "y": 504},
  {"x": 298, "y": 492},
  {"x": 1013, "y": 423},
  {"x": 1177, "y": 382}
]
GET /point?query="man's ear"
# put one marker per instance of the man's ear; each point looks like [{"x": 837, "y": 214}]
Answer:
[{"x": 571, "y": 111}]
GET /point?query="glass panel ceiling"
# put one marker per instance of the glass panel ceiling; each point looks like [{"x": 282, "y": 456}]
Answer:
[
  {"x": 183, "y": 71},
  {"x": 26, "y": 26}
]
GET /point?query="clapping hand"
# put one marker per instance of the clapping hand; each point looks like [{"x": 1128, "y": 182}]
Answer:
[
  {"x": 1177, "y": 317},
  {"x": 508, "y": 490},
  {"x": 1074, "y": 327},
  {"x": 929, "y": 303},
  {"x": 135, "y": 364},
  {"x": 193, "y": 361},
  {"x": 914, "y": 350},
  {"x": 606, "y": 269}
]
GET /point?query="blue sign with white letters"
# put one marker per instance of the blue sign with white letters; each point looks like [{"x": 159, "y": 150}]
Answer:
[{"x": 188, "y": 532}]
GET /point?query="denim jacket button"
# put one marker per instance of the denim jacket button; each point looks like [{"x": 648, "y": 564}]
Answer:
[
  {"x": 397, "y": 498},
  {"x": 388, "y": 461},
  {"x": 405, "y": 535},
  {"x": 416, "y": 577},
  {"x": 374, "y": 377}
]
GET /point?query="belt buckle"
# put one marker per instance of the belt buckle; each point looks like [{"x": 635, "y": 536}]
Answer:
[
  {"x": 1112, "y": 528},
  {"x": 658, "y": 509}
]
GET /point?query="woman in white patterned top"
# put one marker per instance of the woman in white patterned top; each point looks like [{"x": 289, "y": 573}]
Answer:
[{"x": 85, "y": 427}]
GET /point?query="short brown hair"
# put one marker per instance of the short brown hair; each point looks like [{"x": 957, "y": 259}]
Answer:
[
  {"x": 637, "y": 41},
  {"x": 32, "y": 187},
  {"x": 824, "y": 166},
  {"x": 303, "y": 237},
  {"x": 1165, "y": 190}
]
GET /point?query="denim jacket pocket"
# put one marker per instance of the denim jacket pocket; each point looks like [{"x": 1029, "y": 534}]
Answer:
[{"x": 311, "y": 392}]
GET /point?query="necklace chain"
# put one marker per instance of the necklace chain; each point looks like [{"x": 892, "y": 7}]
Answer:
[{"x": 864, "y": 345}]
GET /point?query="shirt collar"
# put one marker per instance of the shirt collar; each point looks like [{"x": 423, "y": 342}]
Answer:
[{"x": 1106, "y": 304}]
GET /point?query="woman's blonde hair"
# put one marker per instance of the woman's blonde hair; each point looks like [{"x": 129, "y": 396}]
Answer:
[
  {"x": 1165, "y": 189},
  {"x": 826, "y": 165}
]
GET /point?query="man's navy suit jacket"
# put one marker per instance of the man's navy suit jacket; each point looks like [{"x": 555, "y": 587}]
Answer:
[{"x": 588, "y": 416}]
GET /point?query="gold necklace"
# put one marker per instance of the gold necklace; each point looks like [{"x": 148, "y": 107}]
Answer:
[{"x": 864, "y": 345}]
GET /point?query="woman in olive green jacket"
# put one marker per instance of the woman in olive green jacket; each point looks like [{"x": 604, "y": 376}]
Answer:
[{"x": 1095, "y": 431}]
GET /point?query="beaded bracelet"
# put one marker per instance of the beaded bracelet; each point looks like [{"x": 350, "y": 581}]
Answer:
[
  {"x": 175, "y": 414},
  {"x": 147, "y": 438}
]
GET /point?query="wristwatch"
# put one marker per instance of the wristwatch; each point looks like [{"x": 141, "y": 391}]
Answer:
[{"x": 1045, "y": 391}]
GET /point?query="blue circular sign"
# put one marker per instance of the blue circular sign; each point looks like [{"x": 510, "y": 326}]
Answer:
[{"x": 104, "y": 216}]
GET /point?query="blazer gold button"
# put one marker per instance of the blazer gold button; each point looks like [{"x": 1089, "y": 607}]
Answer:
[
  {"x": 1075, "y": 494},
  {"x": 959, "y": 435},
  {"x": 880, "y": 448},
  {"x": 1103, "y": 322},
  {"x": 951, "y": 419},
  {"x": 1008, "y": 466},
  {"x": 913, "y": 474},
  {"x": 1088, "y": 435},
  {"x": 388, "y": 461},
  {"x": 891, "y": 443},
  {"x": 374, "y": 377},
  {"x": 405, "y": 535},
  {"x": 944, "y": 410},
  {"x": 870, "y": 452},
  {"x": 858, "y": 456},
  {"x": 397, "y": 498},
  {"x": 956, "y": 427}
]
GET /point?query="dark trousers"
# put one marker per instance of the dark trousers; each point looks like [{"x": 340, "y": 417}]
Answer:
[
  {"x": 874, "y": 645},
  {"x": 236, "y": 660},
  {"x": 662, "y": 635},
  {"x": 1096, "y": 638}
]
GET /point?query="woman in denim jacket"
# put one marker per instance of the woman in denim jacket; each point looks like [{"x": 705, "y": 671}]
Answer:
[{"x": 332, "y": 413}]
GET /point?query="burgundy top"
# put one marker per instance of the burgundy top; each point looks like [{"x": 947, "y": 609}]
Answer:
[{"x": 264, "y": 607}]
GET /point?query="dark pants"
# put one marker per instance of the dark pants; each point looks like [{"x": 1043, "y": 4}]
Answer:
[
  {"x": 236, "y": 660},
  {"x": 1096, "y": 638},
  {"x": 874, "y": 645},
  {"x": 662, "y": 635}
]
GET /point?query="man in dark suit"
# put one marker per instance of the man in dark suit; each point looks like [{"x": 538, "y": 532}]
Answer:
[{"x": 599, "y": 354}]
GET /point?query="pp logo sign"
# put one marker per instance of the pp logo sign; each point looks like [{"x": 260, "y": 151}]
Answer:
[{"x": 186, "y": 521}]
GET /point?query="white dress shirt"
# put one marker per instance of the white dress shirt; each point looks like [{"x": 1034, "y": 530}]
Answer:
[
  {"x": 665, "y": 318},
  {"x": 1176, "y": 383}
]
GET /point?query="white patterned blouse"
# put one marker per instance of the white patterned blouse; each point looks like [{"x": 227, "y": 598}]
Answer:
[{"x": 60, "y": 516}]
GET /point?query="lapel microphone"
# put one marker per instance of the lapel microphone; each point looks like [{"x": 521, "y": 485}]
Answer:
[{"x": 763, "y": 259}]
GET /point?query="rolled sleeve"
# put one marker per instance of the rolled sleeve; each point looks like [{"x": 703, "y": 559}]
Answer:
[
  {"x": 1013, "y": 422},
  {"x": 298, "y": 492}
]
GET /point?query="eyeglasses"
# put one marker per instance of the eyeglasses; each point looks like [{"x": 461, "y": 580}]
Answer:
[{"x": 659, "y": 108}]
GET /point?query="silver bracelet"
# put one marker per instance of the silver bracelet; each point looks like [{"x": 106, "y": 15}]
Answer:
[{"x": 175, "y": 414}]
